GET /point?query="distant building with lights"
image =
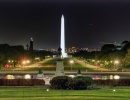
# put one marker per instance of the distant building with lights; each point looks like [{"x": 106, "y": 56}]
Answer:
[
  {"x": 70, "y": 50},
  {"x": 93, "y": 49}
]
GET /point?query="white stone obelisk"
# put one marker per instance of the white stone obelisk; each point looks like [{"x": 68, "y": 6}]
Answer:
[
  {"x": 60, "y": 65},
  {"x": 62, "y": 36},
  {"x": 62, "y": 45}
]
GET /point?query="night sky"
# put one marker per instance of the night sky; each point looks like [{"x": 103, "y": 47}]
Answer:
[{"x": 87, "y": 22}]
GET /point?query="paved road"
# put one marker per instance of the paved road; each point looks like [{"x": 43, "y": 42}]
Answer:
[
  {"x": 38, "y": 64},
  {"x": 95, "y": 68}
]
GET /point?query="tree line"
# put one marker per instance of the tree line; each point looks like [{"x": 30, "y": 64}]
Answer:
[
  {"x": 108, "y": 55},
  {"x": 16, "y": 54}
]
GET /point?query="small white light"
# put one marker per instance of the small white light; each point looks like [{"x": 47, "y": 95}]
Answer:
[
  {"x": 116, "y": 77},
  {"x": 114, "y": 90},
  {"x": 72, "y": 76},
  {"x": 47, "y": 90},
  {"x": 111, "y": 76},
  {"x": 27, "y": 76}
]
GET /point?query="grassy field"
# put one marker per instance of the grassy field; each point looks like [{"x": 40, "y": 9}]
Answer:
[
  {"x": 40, "y": 93},
  {"x": 51, "y": 66}
]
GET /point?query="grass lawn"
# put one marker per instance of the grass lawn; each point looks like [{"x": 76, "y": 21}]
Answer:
[
  {"x": 51, "y": 66},
  {"x": 40, "y": 93}
]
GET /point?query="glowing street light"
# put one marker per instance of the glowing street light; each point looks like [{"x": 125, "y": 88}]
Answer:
[
  {"x": 25, "y": 62},
  {"x": 71, "y": 62},
  {"x": 116, "y": 63},
  {"x": 116, "y": 77},
  {"x": 28, "y": 61}
]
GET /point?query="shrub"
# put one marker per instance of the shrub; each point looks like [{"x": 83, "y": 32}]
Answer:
[
  {"x": 4, "y": 82},
  {"x": 1, "y": 82},
  {"x": 15, "y": 82},
  {"x": 79, "y": 84},
  {"x": 21, "y": 82},
  {"x": 61, "y": 82},
  {"x": 124, "y": 82},
  {"x": 113, "y": 82},
  {"x": 38, "y": 82},
  {"x": 82, "y": 82},
  {"x": 9, "y": 82}
]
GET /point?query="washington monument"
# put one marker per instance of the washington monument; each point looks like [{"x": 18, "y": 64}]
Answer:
[{"x": 62, "y": 45}]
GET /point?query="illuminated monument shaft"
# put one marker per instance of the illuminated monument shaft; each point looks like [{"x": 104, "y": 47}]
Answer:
[
  {"x": 62, "y": 36},
  {"x": 62, "y": 45}
]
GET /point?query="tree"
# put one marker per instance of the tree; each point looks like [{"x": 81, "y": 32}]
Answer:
[
  {"x": 116, "y": 55},
  {"x": 124, "y": 43},
  {"x": 126, "y": 46},
  {"x": 108, "y": 48},
  {"x": 126, "y": 59},
  {"x": 2, "y": 60}
]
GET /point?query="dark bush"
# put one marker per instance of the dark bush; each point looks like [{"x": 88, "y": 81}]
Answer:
[
  {"x": 27, "y": 82},
  {"x": 21, "y": 82},
  {"x": 107, "y": 82},
  {"x": 15, "y": 82},
  {"x": 38, "y": 82},
  {"x": 113, "y": 82},
  {"x": 41, "y": 82},
  {"x": 9, "y": 82},
  {"x": 124, "y": 82},
  {"x": 82, "y": 82},
  {"x": 61, "y": 82},
  {"x": 1, "y": 82},
  {"x": 79, "y": 84},
  {"x": 4, "y": 82},
  {"x": 12, "y": 82}
]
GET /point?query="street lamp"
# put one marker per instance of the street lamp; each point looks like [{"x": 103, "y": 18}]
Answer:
[
  {"x": 12, "y": 63},
  {"x": 71, "y": 62},
  {"x": 25, "y": 62},
  {"x": 28, "y": 61},
  {"x": 116, "y": 63}
]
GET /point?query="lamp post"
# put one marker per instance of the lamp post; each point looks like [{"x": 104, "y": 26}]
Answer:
[
  {"x": 116, "y": 63},
  {"x": 25, "y": 62},
  {"x": 71, "y": 62}
]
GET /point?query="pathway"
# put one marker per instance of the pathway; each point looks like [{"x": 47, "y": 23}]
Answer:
[
  {"x": 90, "y": 66},
  {"x": 38, "y": 64}
]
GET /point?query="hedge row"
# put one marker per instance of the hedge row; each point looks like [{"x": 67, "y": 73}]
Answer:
[
  {"x": 21, "y": 82},
  {"x": 120, "y": 82},
  {"x": 76, "y": 83},
  {"x": 82, "y": 82}
]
